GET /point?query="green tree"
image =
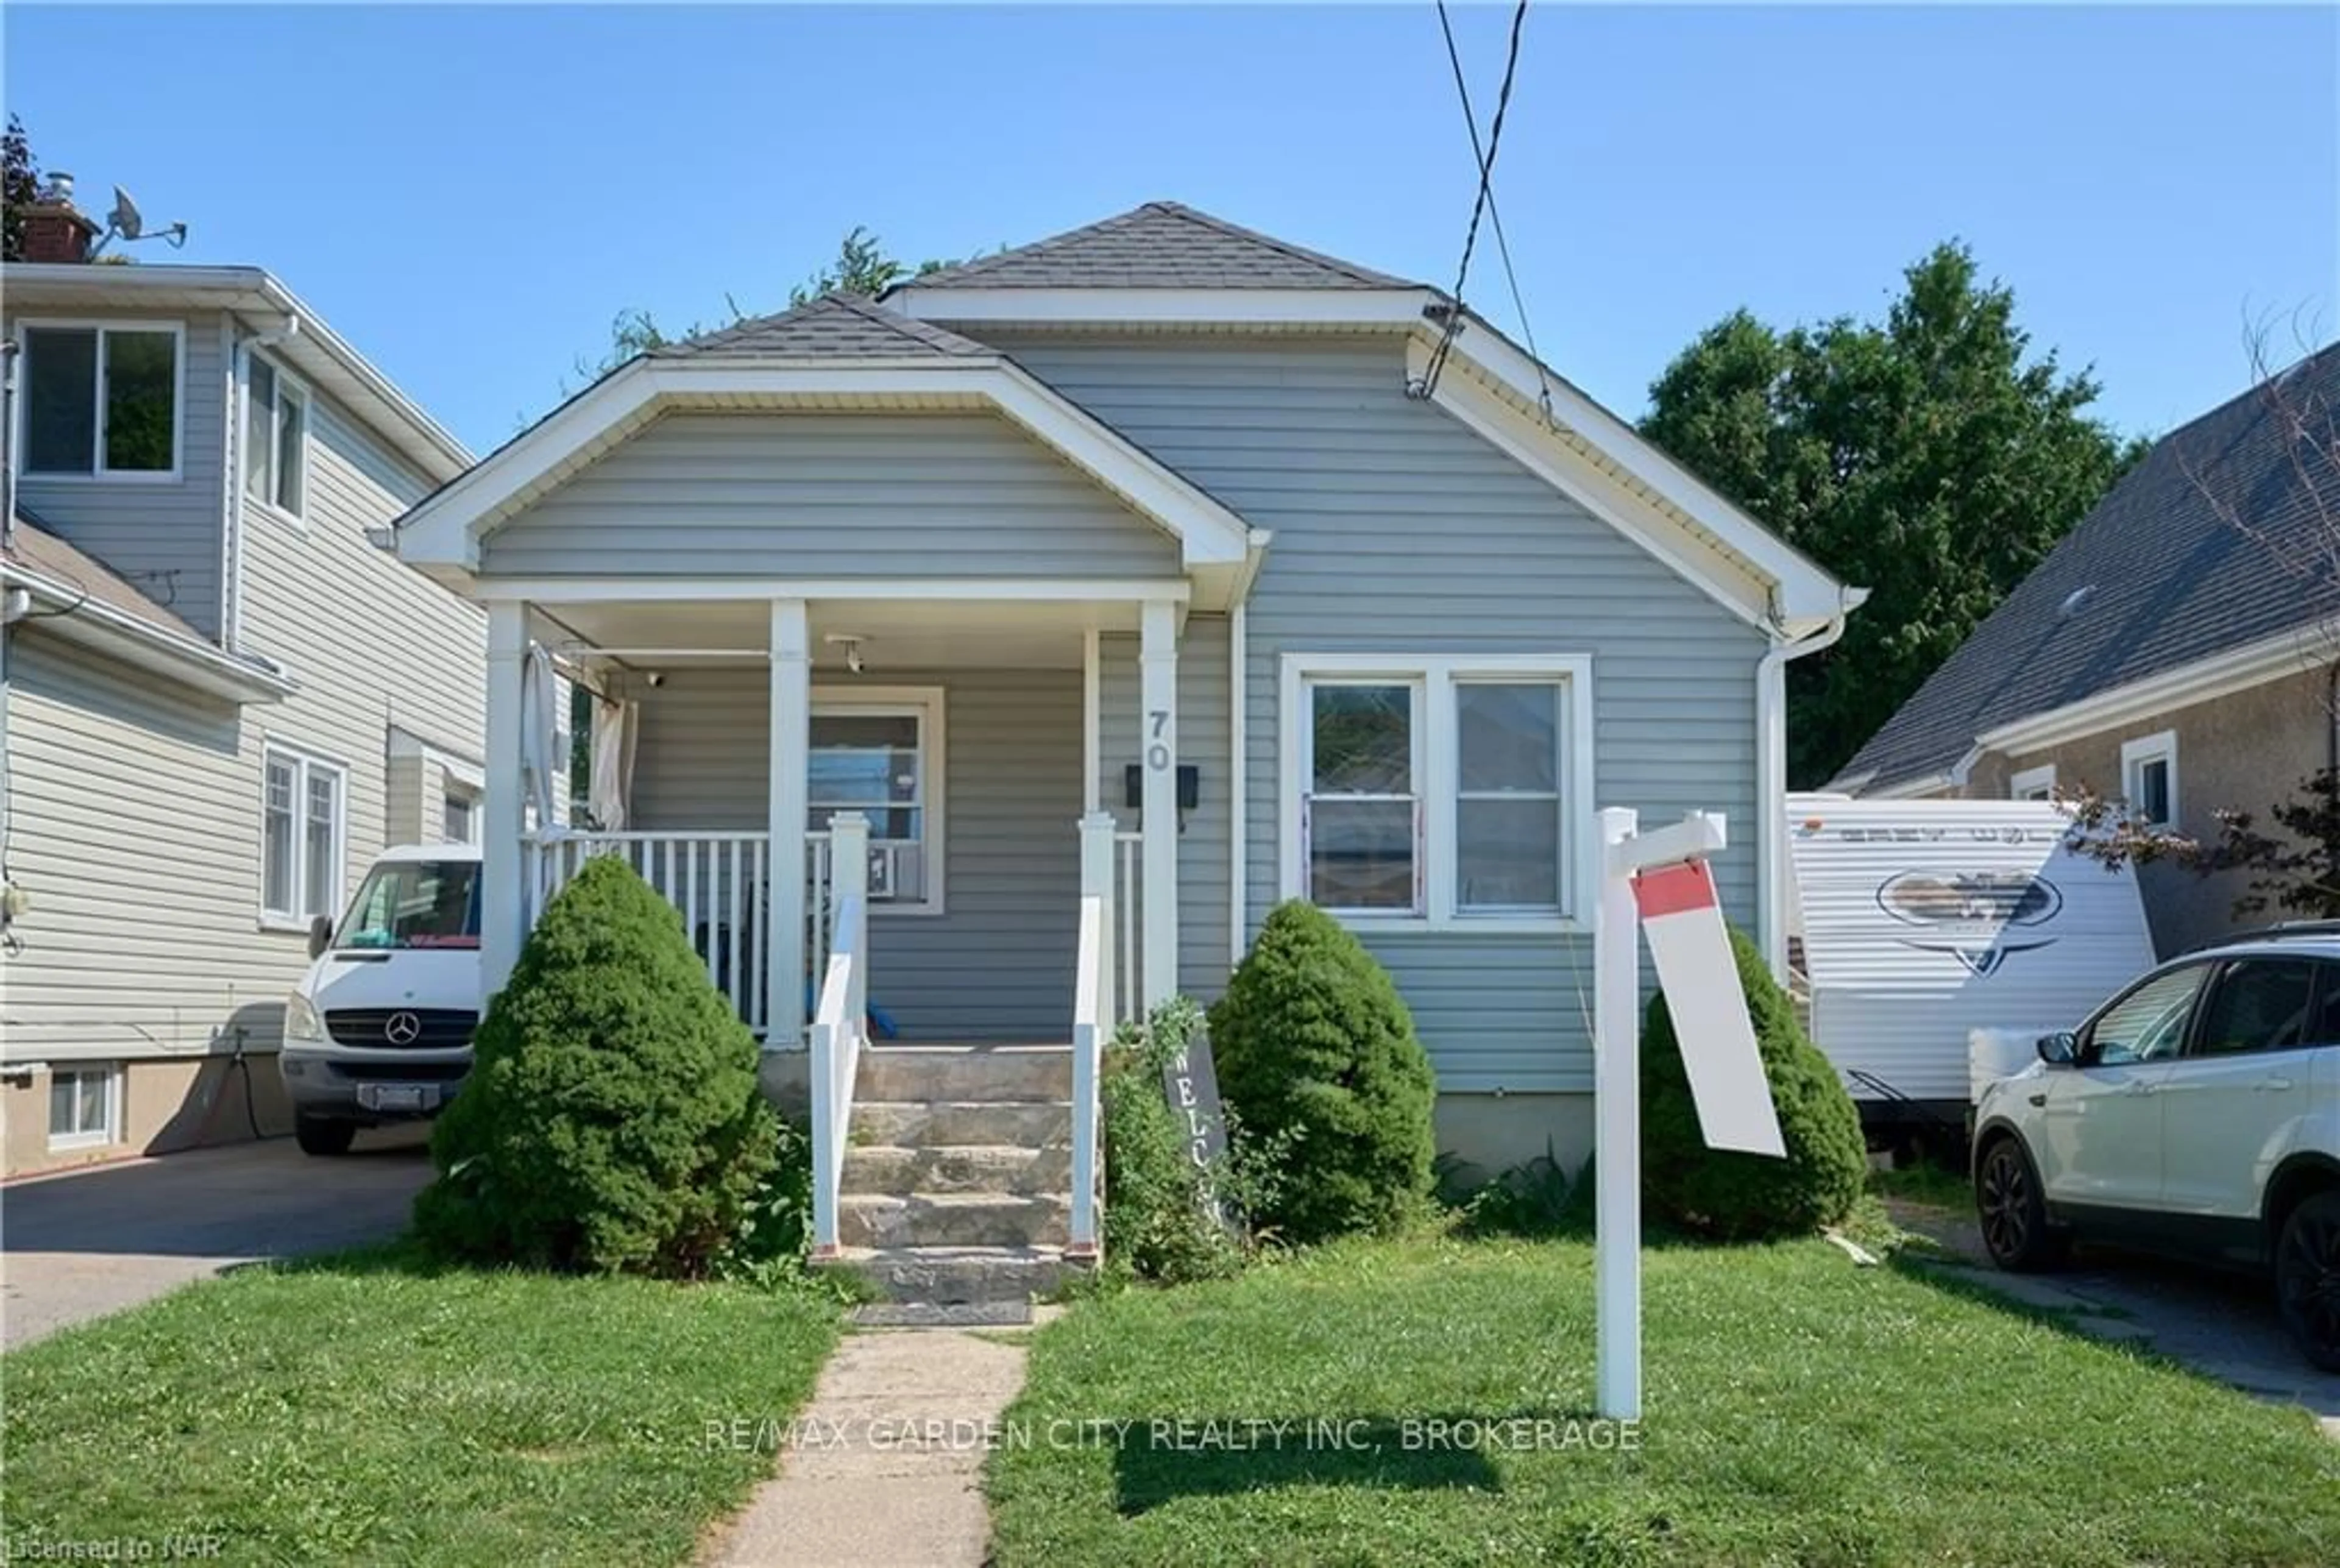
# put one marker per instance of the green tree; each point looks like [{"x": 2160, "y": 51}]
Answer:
[
  {"x": 1929, "y": 457},
  {"x": 20, "y": 187}
]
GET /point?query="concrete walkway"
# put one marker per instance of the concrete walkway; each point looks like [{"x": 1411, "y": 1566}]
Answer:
[{"x": 884, "y": 1467}]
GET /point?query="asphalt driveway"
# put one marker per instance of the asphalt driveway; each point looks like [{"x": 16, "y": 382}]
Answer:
[{"x": 80, "y": 1244}]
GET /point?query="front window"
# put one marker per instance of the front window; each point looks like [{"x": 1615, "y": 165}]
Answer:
[
  {"x": 82, "y": 1106},
  {"x": 1362, "y": 818},
  {"x": 101, "y": 401},
  {"x": 459, "y": 819},
  {"x": 303, "y": 828},
  {"x": 414, "y": 904},
  {"x": 1439, "y": 789},
  {"x": 2148, "y": 1024},
  {"x": 275, "y": 452},
  {"x": 883, "y": 759}
]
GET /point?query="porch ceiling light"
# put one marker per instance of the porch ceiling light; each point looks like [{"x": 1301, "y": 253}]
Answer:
[{"x": 851, "y": 642}]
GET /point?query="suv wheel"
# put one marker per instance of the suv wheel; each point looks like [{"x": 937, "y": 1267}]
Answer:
[
  {"x": 2013, "y": 1212},
  {"x": 2307, "y": 1277},
  {"x": 316, "y": 1136}
]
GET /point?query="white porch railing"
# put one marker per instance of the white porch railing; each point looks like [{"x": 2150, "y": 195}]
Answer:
[
  {"x": 718, "y": 882},
  {"x": 1094, "y": 1014},
  {"x": 1125, "y": 931},
  {"x": 840, "y": 1024}
]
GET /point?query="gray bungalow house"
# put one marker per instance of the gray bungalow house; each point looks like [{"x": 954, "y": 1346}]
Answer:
[{"x": 1091, "y": 598}]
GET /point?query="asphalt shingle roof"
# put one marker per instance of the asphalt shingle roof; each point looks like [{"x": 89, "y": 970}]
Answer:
[
  {"x": 2222, "y": 537},
  {"x": 834, "y": 326},
  {"x": 1160, "y": 245},
  {"x": 33, "y": 549}
]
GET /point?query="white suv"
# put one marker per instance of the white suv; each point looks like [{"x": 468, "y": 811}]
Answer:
[{"x": 2197, "y": 1112}]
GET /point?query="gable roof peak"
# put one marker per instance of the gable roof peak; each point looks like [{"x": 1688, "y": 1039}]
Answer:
[{"x": 1158, "y": 244}]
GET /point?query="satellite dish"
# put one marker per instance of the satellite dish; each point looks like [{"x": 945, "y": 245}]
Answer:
[{"x": 126, "y": 219}]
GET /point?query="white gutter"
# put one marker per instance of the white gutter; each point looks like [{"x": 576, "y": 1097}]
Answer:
[
  {"x": 1771, "y": 778},
  {"x": 146, "y": 647}
]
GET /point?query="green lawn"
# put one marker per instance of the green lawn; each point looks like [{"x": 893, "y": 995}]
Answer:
[
  {"x": 1799, "y": 1410},
  {"x": 362, "y": 1412}
]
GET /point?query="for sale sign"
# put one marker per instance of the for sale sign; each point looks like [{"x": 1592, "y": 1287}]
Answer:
[{"x": 1683, "y": 920}]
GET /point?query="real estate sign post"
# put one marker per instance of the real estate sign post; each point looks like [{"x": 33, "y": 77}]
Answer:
[{"x": 1661, "y": 880}]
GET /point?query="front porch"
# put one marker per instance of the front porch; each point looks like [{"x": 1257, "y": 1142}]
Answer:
[{"x": 968, "y": 737}]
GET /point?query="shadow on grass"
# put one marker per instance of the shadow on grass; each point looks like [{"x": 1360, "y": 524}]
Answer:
[{"x": 1162, "y": 1461}]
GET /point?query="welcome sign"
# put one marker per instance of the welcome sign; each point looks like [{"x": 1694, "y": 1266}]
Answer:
[{"x": 1191, "y": 1084}]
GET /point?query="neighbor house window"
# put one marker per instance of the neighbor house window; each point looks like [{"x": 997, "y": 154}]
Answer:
[
  {"x": 303, "y": 831},
  {"x": 1440, "y": 789},
  {"x": 275, "y": 448},
  {"x": 2033, "y": 784},
  {"x": 101, "y": 401},
  {"x": 83, "y": 1105},
  {"x": 2149, "y": 779},
  {"x": 880, "y": 753},
  {"x": 459, "y": 820}
]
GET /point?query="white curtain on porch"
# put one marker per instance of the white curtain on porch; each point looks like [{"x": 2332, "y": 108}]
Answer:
[{"x": 616, "y": 724}]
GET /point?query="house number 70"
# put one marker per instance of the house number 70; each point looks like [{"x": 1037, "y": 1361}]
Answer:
[{"x": 1157, "y": 756}]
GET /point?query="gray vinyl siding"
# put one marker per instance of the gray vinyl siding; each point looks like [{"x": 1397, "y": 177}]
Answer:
[
  {"x": 830, "y": 495},
  {"x": 136, "y": 806},
  {"x": 1203, "y": 743},
  {"x": 997, "y": 964},
  {"x": 1399, "y": 530},
  {"x": 165, "y": 537}
]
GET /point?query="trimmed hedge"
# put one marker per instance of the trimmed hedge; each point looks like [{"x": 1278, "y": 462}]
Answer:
[
  {"x": 1316, "y": 1053},
  {"x": 611, "y": 1122},
  {"x": 1741, "y": 1197}
]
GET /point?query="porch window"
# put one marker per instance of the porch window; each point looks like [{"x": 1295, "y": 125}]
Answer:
[
  {"x": 1447, "y": 791},
  {"x": 303, "y": 828},
  {"x": 882, "y": 756}
]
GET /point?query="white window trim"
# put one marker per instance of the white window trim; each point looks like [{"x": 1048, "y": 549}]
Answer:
[
  {"x": 287, "y": 385},
  {"x": 98, "y": 472},
  {"x": 304, "y": 763},
  {"x": 2041, "y": 778},
  {"x": 2159, "y": 747},
  {"x": 1435, "y": 676},
  {"x": 108, "y": 1134},
  {"x": 453, "y": 793},
  {"x": 927, "y": 704}
]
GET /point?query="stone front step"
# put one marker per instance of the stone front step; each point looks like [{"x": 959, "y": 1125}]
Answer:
[
  {"x": 964, "y": 1074},
  {"x": 887, "y": 1168},
  {"x": 954, "y": 1220},
  {"x": 949, "y": 1275},
  {"x": 918, "y": 1124}
]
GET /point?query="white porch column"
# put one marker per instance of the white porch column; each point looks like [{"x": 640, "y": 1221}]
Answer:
[
  {"x": 1158, "y": 661},
  {"x": 788, "y": 763},
  {"x": 1091, "y": 724},
  {"x": 505, "y": 864}
]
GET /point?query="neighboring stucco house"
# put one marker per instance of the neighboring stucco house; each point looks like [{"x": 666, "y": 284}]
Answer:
[
  {"x": 2175, "y": 651},
  {"x": 1161, "y": 518},
  {"x": 220, "y": 698}
]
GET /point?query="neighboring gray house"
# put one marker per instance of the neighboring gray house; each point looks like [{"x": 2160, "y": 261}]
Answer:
[
  {"x": 2176, "y": 650},
  {"x": 1161, "y": 506},
  {"x": 220, "y": 699}
]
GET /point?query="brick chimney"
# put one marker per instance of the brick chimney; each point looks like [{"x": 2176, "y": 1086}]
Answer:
[{"x": 54, "y": 229}]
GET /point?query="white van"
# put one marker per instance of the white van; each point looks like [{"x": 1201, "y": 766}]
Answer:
[
  {"x": 380, "y": 1028},
  {"x": 1917, "y": 926}
]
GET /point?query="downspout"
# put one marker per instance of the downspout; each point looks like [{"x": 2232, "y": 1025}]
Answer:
[
  {"x": 11, "y": 609},
  {"x": 1771, "y": 777},
  {"x": 1238, "y": 778}
]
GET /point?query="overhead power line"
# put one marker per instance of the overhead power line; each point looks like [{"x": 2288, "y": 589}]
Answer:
[{"x": 1483, "y": 155}]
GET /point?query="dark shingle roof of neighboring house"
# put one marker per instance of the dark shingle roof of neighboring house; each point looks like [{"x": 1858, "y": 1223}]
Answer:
[
  {"x": 36, "y": 551},
  {"x": 2222, "y": 537},
  {"x": 1160, "y": 245},
  {"x": 834, "y": 326}
]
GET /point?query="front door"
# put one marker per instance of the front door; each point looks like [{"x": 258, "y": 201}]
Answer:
[
  {"x": 2233, "y": 1098},
  {"x": 2102, "y": 1119}
]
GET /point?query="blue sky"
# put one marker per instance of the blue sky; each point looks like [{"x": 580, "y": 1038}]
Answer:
[{"x": 470, "y": 195}]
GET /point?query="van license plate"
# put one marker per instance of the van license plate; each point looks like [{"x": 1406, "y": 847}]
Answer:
[{"x": 394, "y": 1097}]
